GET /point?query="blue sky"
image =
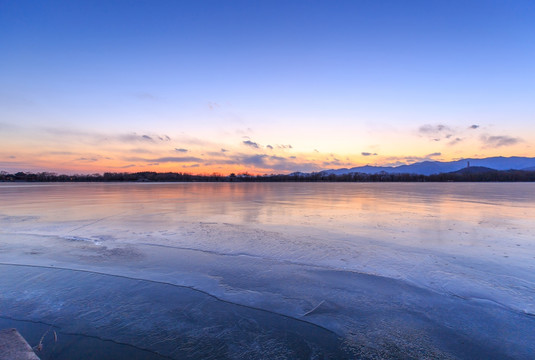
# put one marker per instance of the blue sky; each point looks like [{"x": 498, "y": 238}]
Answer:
[{"x": 332, "y": 79}]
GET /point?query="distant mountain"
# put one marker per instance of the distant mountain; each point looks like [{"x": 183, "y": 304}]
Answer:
[
  {"x": 532, "y": 168},
  {"x": 437, "y": 167}
]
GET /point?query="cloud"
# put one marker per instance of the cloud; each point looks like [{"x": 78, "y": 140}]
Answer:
[
  {"x": 440, "y": 132},
  {"x": 134, "y": 137},
  {"x": 257, "y": 160},
  {"x": 87, "y": 159},
  {"x": 285, "y": 146},
  {"x": 266, "y": 162},
  {"x": 145, "y": 96},
  {"x": 223, "y": 150},
  {"x": 168, "y": 159},
  {"x": 433, "y": 129},
  {"x": 269, "y": 147},
  {"x": 181, "y": 150},
  {"x": 433, "y": 154},
  {"x": 12, "y": 157},
  {"x": 127, "y": 166},
  {"x": 93, "y": 138},
  {"x": 77, "y": 135},
  {"x": 364, "y": 153},
  {"x": 499, "y": 141},
  {"x": 436, "y": 132},
  {"x": 60, "y": 153},
  {"x": 395, "y": 163},
  {"x": 177, "y": 159},
  {"x": 336, "y": 162},
  {"x": 455, "y": 141},
  {"x": 244, "y": 132},
  {"x": 69, "y": 136},
  {"x": 216, "y": 154},
  {"x": 213, "y": 105},
  {"x": 140, "y": 151},
  {"x": 251, "y": 144},
  {"x": 5, "y": 165}
]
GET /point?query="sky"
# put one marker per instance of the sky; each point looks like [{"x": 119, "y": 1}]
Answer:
[{"x": 262, "y": 86}]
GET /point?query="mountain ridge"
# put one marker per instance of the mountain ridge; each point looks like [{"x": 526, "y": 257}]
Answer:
[{"x": 438, "y": 167}]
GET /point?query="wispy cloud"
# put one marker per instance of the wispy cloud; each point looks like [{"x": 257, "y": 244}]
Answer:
[
  {"x": 434, "y": 129},
  {"x": 73, "y": 134},
  {"x": 60, "y": 153},
  {"x": 145, "y": 96},
  {"x": 436, "y": 132},
  {"x": 499, "y": 141},
  {"x": 266, "y": 162},
  {"x": 365, "y": 153},
  {"x": 8, "y": 164},
  {"x": 86, "y": 159},
  {"x": 181, "y": 150},
  {"x": 97, "y": 138},
  {"x": 217, "y": 154},
  {"x": 433, "y": 155},
  {"x": 473, "y": 127},
  {"x": 134, "y": 137},
  {"x": 139, "y": 151},
  {"x": 213, "y": 105},
  {"x": 455, "y": 141},
  {"x": 167, "y": 159}
]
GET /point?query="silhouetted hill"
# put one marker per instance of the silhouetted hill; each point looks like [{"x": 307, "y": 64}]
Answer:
[{"x": 474, "y": 170}]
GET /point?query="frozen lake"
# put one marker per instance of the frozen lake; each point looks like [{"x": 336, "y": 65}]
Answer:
[{"x": 270, "y": 270}]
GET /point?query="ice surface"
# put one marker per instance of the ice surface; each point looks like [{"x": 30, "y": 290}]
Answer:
[{"x": 400, "y": 270}]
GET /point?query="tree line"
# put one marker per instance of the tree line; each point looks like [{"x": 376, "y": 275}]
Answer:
[{"x": 146, "y": 176}]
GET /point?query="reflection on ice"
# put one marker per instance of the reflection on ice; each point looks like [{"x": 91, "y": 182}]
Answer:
[{"x": 385, "y": 270}]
